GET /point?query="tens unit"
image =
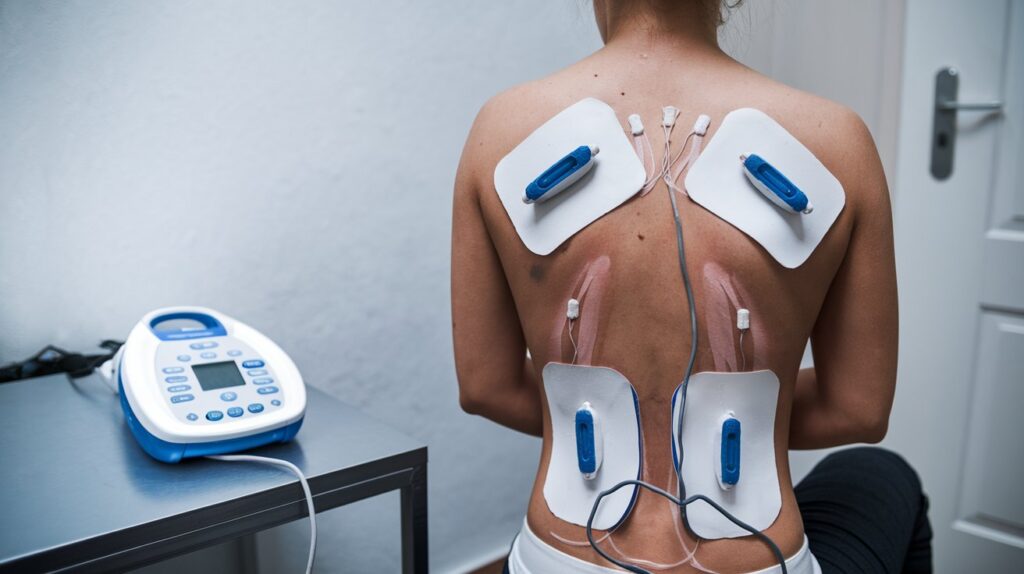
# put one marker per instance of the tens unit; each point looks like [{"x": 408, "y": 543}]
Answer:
[{"x": 195, "y": 382}]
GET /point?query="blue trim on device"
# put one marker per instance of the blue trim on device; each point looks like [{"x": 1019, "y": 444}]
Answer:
[
  {"x": 561, "y": 169},
  {"x": 213, "y": 327},
  {"x": 777, "y": 183},
  {"x": 730, "y": 456},
  {"x": 586, "y": 439},
  {"x": 172, "y": 452},
  {"x": 675, "y": 457},
  {"x": 730, "y": 451}
]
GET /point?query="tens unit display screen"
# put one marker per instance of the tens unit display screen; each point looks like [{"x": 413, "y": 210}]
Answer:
[{"x": 213, "y": 376}]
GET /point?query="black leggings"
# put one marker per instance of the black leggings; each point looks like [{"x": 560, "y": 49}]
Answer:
[{"x": 864, "y": 513}]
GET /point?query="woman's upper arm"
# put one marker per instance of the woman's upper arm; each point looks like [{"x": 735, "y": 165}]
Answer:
[
  {"x": 488, "y": 339},
  {"x": 855, "y": 338}
]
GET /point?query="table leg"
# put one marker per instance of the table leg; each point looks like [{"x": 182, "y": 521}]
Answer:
[
  {"x": 248, "y": 554},
  {"x": 414, "y": 523}
]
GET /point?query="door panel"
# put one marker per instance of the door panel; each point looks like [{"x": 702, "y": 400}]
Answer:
[
  {"x": 959, "y": 411},
  {"x": 991, "y": 495},
  {"x": 1004, "y": 263}
]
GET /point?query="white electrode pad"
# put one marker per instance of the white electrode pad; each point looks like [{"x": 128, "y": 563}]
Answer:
[
  {"x": 712, "y": 399},
  {"x": 717, "y": 182},
  {"x": 616, "y": 176},
  {"x": 569, "y": 494}
]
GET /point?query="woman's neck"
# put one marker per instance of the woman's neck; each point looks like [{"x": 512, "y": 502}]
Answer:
[{"x": 674, "y": 31}]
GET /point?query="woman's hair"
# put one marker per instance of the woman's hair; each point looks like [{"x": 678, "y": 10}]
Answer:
[
  {"x": 715, "y": 10},
  {"x": 725, "y": 8}
]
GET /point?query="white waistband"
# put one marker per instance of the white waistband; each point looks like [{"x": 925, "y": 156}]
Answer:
[{"x": 531, "y": 555}]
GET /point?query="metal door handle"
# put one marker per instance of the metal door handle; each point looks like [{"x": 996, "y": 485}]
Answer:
[
  {"x": 975, "y": 107},
  {"x": 947, "y": 84}
]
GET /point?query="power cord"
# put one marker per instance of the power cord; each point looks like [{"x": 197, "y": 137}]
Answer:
[
  {"x": 52, "y": 359},
  {"x": 682, "y": 504},
  {"x": 305, "y": 488}
]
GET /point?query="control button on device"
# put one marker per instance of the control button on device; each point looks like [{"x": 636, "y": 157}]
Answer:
[
  {"x": 266, "y": 390},
  {"x": 275, "y": 402},
  {"x": 256, "y": 408},
  {"x": 208, "y": 355},
  {"x": 214, "y": 415},
  {"x": 172, "y": 370},
  {"x": 234, "y": 353},
  {"x": 228, "y": 396},
  {"x": 235, "y": 412},
  {"x": 178, "y": 388},
  {"x": 252, "y": 364},
  {"x": 176, "y": 379},
  {"x": 197, "y": 346},
  {"x": 210, "y": 344},
  {"x": 181, "y": 398},
  {"x": 192, "y": 416},
  {"x": 263, "y": 381},
  {"x": 257, "y": 372},
  {"x": 184, "y": 358}
]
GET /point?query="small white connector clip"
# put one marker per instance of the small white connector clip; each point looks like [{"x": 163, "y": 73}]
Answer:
[
  {"x": 669, "y": 115},
  {"x": 635, "y": 125},
  {"x": 572, "y": 310},
  {"x": 742, "y": 319},
  {"x": 700, "y": 127}
]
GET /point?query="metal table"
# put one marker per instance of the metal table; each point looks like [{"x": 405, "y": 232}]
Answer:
[{"x": 78, "y": 493}]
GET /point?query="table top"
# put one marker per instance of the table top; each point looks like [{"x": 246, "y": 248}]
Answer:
[{"x": 73, "y": 479}]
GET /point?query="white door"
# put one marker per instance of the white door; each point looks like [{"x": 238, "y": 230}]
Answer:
[{"x": 959, "y": 412}]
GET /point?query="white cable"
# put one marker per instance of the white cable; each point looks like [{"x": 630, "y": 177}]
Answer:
[
  {"x": 575, "y": 350},
  {"x": 743, "y": 353},
  {"x": 743, "y": 324},
  {"x": 642, "y": 145},
  {"x": 106, "y": 373},
  {"x": 674, "y": 169},
  {"x": 666, "y": 155},
  {"x": 649, "y": 184},
  {"x": 580, "y": 544},
  {"x": 572, "y": 312},
  {"x": 648, "y": 563},
  {"x": 302, "y": 481},
  {"x": 671, "y": 172}
]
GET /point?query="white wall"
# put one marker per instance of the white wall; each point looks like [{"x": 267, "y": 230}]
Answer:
[
  {"x": 291, "y": 165},
  {"x": 849, "y": 51}
]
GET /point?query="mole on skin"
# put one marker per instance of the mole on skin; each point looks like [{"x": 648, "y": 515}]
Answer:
[{"x": 537, "y": 272}]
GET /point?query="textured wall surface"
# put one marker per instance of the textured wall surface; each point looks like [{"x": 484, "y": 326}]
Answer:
[{"x": 291, "y": 165}]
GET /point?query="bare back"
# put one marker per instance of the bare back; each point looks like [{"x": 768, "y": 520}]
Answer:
[{"x": 642, "y": 324}]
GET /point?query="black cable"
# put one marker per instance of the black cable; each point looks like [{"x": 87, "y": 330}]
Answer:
[
  {"x": 52, "y": 360},
  {"x": 682, "y": 504}
]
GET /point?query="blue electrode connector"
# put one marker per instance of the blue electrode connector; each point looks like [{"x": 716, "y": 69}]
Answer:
[
  {"x": 730, "y": 473},
  {"x": 775, "y": 186},
  {"x": 561, "y": 175},
  {"x": 589, "y": 442}
]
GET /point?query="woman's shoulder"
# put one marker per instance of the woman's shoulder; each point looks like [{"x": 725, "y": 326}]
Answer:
[
  {"x": 512, "y": 114},
  {"x": 832, "y": 131},
  {"x": 505, "y": 120}
]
